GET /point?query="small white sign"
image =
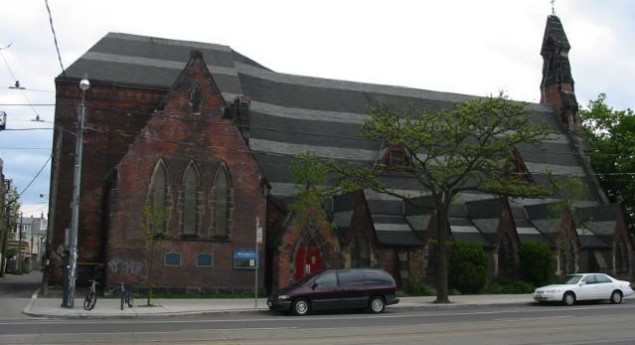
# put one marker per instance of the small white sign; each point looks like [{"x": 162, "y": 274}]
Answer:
[
  {"x": 252, "y": 263},
  {"x": 259, "y": 234}
]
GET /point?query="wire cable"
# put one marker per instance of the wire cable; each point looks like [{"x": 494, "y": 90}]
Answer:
[
  {"x": 57, "y": 47},
  {"x": 17, "y": 83},
  {"x": 36, "y": 176}
]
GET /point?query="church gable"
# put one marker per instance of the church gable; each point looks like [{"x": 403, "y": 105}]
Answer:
[
  {"x": 194, "y": 164},
  {"x": 194, "y": 92}
]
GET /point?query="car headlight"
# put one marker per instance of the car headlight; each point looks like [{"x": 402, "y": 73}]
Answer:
[
  {"x": 283, "y": 297},
  {"x": 553, "y": 290}
]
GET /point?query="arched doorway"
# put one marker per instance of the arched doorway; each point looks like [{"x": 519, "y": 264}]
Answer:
[{"x": 308, "y": 259}]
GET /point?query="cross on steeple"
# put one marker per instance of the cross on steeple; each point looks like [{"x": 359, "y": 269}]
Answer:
[{"x": 553, "y": 7}]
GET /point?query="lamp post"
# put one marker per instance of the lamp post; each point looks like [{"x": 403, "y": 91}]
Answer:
[{"x": 71, "y": 267}]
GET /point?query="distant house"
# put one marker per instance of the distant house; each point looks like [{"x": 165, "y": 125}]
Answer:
[{"x": 208, "y": 134}]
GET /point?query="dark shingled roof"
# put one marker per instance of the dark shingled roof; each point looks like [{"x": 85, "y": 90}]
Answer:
[
  {"x": 596, "y": 225},
  {"x": 290, "y": 114},
  {"x": 554, "y": 36}
]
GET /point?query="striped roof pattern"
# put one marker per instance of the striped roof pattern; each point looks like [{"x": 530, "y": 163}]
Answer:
[{"x": 290, "y": 114}]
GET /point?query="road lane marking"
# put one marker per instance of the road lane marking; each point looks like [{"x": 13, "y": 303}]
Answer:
[
  {"x": 311, "y": 318},
  {"x": 522, "y": 319}
]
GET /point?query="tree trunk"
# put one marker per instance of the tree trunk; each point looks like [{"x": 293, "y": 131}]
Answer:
[{"x": 442, "y": 249}]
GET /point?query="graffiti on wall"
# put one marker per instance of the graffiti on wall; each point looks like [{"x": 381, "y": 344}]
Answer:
[{"x": 127, "y": 266}]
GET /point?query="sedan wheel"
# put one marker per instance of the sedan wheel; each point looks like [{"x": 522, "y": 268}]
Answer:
[
  {"x": 616, "y": 297},
  {"x": 569, "y": 298},
  {"x": 300, "y": 307},
  {"x": 377, "y": 305}
]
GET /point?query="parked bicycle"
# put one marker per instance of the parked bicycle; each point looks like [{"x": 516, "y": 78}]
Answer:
[
  {"x": 126, "y": 297},
  {"x": 91, "y": 296}
]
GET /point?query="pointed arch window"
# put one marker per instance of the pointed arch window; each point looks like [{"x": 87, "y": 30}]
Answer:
[
  {"x": 222, "y": 200},
  {"x": 158, "y": 200},
  {"x": 191, "y": 188},
  {"x": 196, "y": 99}
]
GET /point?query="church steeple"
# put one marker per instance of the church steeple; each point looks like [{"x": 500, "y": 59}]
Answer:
[{"x": 557, "y": 86}]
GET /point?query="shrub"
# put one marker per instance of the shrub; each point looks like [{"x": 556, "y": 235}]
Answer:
[
  {"x": 518, "y": 287},
  {"x": 11, "y": 252},
  {"x": 536, "y": 263},
  {"x": 417, "y": 288},
  {"x": 467, "y": 267}
]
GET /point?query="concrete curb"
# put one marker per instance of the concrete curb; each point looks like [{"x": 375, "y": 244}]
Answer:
[
  {"x": 27, "y": 309},
  {"x": 162, "y": 313}
]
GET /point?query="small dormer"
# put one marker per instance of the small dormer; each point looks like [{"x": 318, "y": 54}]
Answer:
[
  {"x": 520, "y": 168},
  {"x": 394, "y": 157}
]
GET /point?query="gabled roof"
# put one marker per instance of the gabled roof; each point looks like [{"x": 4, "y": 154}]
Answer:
[{"x": 290, "y": 114}]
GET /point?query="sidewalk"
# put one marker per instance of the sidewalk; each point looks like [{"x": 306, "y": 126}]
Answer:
[{"x": 110, "y": 307}]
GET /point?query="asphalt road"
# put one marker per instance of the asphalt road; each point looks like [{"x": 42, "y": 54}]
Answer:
[{"x": 582, "y": 324}]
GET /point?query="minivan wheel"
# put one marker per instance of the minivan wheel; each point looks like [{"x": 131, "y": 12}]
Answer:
[
  {"x": 616, "y": 297},
  {"x": 377, "y": 304},
  {"x": 568, "y": 298},
  {"x": 300, "y": 307}
]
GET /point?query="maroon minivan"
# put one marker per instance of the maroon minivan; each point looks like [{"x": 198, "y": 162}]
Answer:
[{"x": 351, "y": 288}]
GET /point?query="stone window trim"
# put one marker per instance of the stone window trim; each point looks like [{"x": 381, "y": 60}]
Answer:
[
  {"x": 225, "y": 233},
  {"x": 168, "y": 256},
  {"x": 184, "y": 232},
  {"x": 161, "y": 166},
  {"x": 204, "y": 254}
]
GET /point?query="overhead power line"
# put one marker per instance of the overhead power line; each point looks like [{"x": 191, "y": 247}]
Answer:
[
  {"x": 36, "y": 176},
  {"x": 17, "y": 83},
  {"x": 57, "y": 47}
]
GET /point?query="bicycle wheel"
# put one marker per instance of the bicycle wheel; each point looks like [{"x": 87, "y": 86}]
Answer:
[
  {"x": 130, "y": 300},
  {"x": 90, "y": 300},
  {"x": 93, "y": 300}
]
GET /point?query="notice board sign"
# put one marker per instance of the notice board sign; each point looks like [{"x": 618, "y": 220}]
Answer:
[{"x": 246, "y": 259}]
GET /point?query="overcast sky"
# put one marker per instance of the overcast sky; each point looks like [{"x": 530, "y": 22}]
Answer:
[{"x": 462, "y": 46}]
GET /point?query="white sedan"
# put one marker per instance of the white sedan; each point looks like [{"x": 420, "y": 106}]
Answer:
[{"x": 584, "y": 287}]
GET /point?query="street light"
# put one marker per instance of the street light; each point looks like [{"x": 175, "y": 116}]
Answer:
[{"x": 71, "y": 268}]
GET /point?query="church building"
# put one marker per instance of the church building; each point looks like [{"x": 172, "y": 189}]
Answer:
[{"x": 194, "y": 141}]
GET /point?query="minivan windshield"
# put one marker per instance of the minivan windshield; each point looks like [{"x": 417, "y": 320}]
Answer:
[{"x": 305, "y": 279}]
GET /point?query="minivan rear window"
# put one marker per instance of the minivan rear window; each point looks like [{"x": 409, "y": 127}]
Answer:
[
  {"x": 351, "y": 277},
  {"x": 374, "y": 277}
]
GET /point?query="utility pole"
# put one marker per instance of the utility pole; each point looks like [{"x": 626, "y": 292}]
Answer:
[
  {"x": 258, "y": 242},
  {"x": 71, "y": 267},
  {"x": 5, "y": 233},
  {"x": 20, "y": 244}
]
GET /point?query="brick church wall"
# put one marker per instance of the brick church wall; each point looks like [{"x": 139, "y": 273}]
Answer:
[{"x": 114, "y": 116}]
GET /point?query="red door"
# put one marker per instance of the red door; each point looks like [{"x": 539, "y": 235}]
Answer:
[{"x": 307, "y": 260}]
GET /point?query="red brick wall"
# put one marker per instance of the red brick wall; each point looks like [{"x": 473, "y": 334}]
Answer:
[
  {"x": 177, "y": 137},
  {"x": 114, "y": 116}
]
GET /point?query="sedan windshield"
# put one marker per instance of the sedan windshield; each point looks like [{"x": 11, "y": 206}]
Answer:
[{"x": 570, "y": 279}]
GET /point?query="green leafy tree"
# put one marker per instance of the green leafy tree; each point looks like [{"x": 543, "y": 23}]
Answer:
[
  {"x": 611, "y": 135},
  {"x": 536, "y": 263},
  {"x": 9, "y": 220},
  {"x": 154, "y": 232},
  {"x": 468, "y": 267},
  {"x": 468, "y": 148}
]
